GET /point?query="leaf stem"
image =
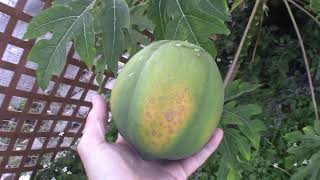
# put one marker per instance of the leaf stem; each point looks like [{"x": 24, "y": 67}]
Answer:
[
  {"x": 233, "y": 70},
  {"x": 305, "y": 11},
  {"x": 235, "y": 6},
  {"x": 305, "y": 58},
  {"x": 283, "y": 170},
  {"x": 257, "y": 40}
]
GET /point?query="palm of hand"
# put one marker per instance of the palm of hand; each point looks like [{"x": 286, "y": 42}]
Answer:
[{"x": 120, "y": 161}]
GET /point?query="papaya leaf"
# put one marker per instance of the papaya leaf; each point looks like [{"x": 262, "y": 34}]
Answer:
[
  {"x": 317, "y": 126},
  {"x": 243, "y": 113},
  {"x": 233, "y": 174},
  {"x": 192, "y": 24},
  {"x": 305, "y": 143},
  {"x": 227, "y": 171},
  {"x": 311, "y": 171},
  {"x": 138, "y": 18},
  {"x": 84, "y": 41},
  {"x": 229, "y": 157},
  {"x": 112, "y": 17},
  {"x": 138, "y": 23},
  {"x": 305, "y": 146},
  {"x": 218, "y": 8},
  {"x": 134, "y": 39},
  {"x": 315, "y": 5},
  {"x": 132, "y": 2},
  {"x": 157, "y": 13},
  {"x": 223, "y": 170},
  {"x": 235, "y": 5},
  {"x": 65, "y": 22},
  {"x": 129, "y": 2},
  {"x": 237, "y": 88},
  {"x": 61, "y": 2},
  {"x": 184, "y": 20},
  {"x": 241, "y": 142},
  {"x": 242, "y": 134}
]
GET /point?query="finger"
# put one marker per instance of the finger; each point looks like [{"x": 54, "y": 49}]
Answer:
[
  {"x": 195, "y": 161},
  {"x": 95, "y": 127},
  {"x": 120, "y": 139}
]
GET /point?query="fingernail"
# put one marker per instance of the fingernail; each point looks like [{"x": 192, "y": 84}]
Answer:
[{"x": 219, "y": 131}]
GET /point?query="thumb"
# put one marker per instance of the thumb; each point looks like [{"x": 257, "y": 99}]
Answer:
[
  {"x": 95, "y": 127},
  {"x": 195, "y": 161}
]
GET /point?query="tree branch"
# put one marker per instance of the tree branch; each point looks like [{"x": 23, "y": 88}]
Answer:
[{"x": 306, "y": 62}]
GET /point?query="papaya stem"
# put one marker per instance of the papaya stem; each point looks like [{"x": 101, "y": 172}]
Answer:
[
  {"x": 235, "y": 6},
  {"x": 305, "y": 11},
  {"x": 257, "y": 40},
  {"x": 235, "y": 66},
  {"x": 305, "y": 58}
]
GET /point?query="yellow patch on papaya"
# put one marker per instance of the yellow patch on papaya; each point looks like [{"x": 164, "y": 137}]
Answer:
[{"x": 165, "y": 115}]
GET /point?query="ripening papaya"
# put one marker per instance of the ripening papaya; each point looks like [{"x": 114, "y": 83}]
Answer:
[{"x": 168, "y": 99}]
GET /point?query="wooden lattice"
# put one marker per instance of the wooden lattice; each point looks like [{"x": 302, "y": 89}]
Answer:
[{"x": 36, "y": 125}]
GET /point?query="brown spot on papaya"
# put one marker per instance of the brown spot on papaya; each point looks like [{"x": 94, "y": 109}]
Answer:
[
  {"x": 181, "y": 108},
  {"x": 152, "y": 100},
  {"x": 160, "y": 123},
  {"x": 166, "y": 116},
  {"x": 179, "y": 100},
  {"x": 170, "y": 115},
  {"x": 170, "y": 129},
  {"x": 154, "y": 133},
  {"x": 148, "y": 115}
]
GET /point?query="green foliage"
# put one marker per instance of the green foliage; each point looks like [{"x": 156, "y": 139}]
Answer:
[
  {"x": 138, "y": 23},
  {"x": 253, "y": 31},
  {"x": 238, "y": 88},
  {"x": 103, "y": 30},
  {"x": 66, "y": 22},
  {"x": 283, "y": 95},
  {"x": 67, "y": 166},
  {"x": 310, "y": 172},
  {"x": 240, "y": 115},
  {"x": 273, "y": 90},
  {"x": 306, "y": 145},
  {"x": 112, "y": 18},
  {"x": 315, "y": 5},
  {"x": 112, "y": 132},
  {"x": 242, "y": 131},
  {"x": 215, "y": 8},
  {"x": 236, "y": 4},
  {"x": 185, "y": 20}
]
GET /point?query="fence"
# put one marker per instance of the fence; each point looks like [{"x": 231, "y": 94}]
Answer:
[{"x": 35, "y": 125}]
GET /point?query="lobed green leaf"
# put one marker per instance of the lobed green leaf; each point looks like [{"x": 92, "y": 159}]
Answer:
[
  {"x": 112, "y": 17},
  {"x": 217, "y": 8},
  {"x": 185, "y": 20},
  {"x": 65, "y": 23},
  {"x": 237, "y": 88}
]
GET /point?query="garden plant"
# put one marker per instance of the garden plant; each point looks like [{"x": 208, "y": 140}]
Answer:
[{"x": 267, "y": 52}]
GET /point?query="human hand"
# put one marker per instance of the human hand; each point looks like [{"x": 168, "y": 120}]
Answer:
[{"x": 119, "y": 161}]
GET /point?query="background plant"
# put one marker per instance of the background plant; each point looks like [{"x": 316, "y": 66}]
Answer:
[{"x": 266, "y": 107}]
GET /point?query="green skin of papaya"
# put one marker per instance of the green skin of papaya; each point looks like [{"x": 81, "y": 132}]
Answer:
[{"x": 168, "y": 100}]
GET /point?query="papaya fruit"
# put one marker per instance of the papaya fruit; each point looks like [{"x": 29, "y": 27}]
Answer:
[{"x": 168, "y": 99}]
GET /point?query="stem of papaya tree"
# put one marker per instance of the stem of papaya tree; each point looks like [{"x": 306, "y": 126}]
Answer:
[
  {"x": 257, "y": 40},
  {"x": 235, "y": 66},
  {"x": 305, "y": 11},
  {"x": 305, "y": 58}
]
